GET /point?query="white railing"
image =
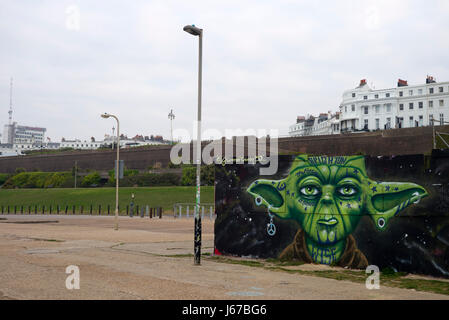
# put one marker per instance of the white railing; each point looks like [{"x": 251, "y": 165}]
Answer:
[{"x": 188, "y": 210}]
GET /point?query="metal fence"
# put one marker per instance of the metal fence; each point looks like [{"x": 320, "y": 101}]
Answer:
[
  {"x": 188, "y": 209},
  {"x": 137, "y": 210}
]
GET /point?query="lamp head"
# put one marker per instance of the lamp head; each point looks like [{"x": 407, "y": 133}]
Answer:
[
  {"x": 105, "y": 115},
  {"x": 193, "y": 30}
]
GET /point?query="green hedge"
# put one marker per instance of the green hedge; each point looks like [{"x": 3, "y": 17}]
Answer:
[
  {"x": 37, "y": 180},
  {"x": 4, "y": 177},
  {"x": 148, "y": 180},
  {"x": 189, "y": 175},
  {"x": 91, "y": 180}
]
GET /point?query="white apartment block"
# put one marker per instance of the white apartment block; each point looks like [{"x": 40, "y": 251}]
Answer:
[
  {"x": 16, "y": 134},
  {"x": 404, "y": 106},
  {"x": 324, "y": 124}
]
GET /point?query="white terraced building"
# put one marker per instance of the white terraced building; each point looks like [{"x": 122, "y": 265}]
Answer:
[
  {"x": 325, "y": 123},
  {"x": 404, "y": 106}
]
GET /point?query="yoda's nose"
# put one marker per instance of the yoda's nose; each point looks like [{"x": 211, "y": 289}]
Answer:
[{"x": 327, "y": 196}]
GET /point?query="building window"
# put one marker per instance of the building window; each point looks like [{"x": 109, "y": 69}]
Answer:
[
  {"x": 346, "y": 108},
  {"x": 353, "y": 95},
  {"x": 365, "y": 97},
  {"x": 388, "y": 107},
  {"x": 410, "y": 106},
  {"x": 353, "y": 107},
  {"x": 430, "y": 119},
  {"x": 420, "y": 104},
  {"x": 377, "y": 108},
  {"x": 376, "y": 96},
  {"x": 388, "y": 124},
  {"x": 430, "y": 90},
  {"x": 440, "y": 89},
  {"x": 430, "y": 104},
  {"x": 365, "y": 125},
  {"x": 420, "y": 121},
  {"x": 441, "y": 103},
  {"x": 387, "y": 95},
  {"x": 377, "y": 124},
  {"x": 441, "y": 119},
  {"x": 401, "y": 93},
  {"x": 410, "y": 92},
  {"x": 411, "y": 122},
  {"x": 401, "y": 106},
  {"x": 419, "y": 91}
]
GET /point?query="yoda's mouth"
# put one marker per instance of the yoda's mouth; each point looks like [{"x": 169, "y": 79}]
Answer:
[{"x": 330, "y": 222}]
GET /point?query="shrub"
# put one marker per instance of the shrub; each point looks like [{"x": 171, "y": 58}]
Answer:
[
  {"x": 4, "y": 177},
  {"x": 171, "y": 165},
  {"x": 19, "y": 170},
  {"x": 189, "y": 175},
  {"x": 91, "y": 180},
  {"x": 37, "y": 180}
]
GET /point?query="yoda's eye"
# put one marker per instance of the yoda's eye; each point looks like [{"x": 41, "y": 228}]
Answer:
[
  {"x": 309, "y": 191},
  {"x": 347, "y": 191}
]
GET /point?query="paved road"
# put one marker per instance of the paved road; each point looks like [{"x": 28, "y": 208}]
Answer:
[{"x": 145, "y": 259}]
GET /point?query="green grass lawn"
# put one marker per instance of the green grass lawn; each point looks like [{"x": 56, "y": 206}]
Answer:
[{"x": 163, "y": 197}]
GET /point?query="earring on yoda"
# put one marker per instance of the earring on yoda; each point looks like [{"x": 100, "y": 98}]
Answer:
[{"x": 271, "y": 228}]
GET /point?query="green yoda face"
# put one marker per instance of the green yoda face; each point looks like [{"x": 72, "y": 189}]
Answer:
[{"x": 328, "y": 196}]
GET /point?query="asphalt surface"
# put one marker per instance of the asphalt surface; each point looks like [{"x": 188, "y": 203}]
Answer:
[{"x": 146, "y": 259}]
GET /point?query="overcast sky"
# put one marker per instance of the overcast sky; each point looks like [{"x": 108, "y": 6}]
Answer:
[{"x": 264, "y": 62}]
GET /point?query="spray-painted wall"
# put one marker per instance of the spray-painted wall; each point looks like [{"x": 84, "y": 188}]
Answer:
[{"x": 349, "y": 211}]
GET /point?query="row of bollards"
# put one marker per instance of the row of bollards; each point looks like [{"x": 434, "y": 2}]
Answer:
[{"x": 145, "y": 210}]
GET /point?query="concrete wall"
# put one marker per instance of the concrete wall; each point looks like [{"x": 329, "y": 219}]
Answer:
[
  {"x": 96, "y": 160},
  {"x": 397, "y": 218},
  {"x": 390, "y": 142}
]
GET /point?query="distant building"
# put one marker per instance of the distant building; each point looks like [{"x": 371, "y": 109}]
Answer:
[
  {"x": 404, "y": 106},
  {"x": 366, "y": 109},
  {"x": 16, "y": 134},
  {"x": 324, "y": 124}
]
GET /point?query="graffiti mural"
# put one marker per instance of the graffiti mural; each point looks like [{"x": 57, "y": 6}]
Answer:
[{"x": 349, "y": 211}]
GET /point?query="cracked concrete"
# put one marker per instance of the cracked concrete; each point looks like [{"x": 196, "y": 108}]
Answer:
[{"x": 147, "y": 259}]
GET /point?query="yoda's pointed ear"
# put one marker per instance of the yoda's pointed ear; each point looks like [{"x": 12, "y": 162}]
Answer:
[
  {"x": 270, "y": 193},
  {"x": 386, "y": 199}
]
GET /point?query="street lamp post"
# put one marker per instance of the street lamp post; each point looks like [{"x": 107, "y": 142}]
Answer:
[
  {"x": 197, "y": 237},
  {"x": 106, "y": 115},
  {"x": 171, "y": 116}
]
